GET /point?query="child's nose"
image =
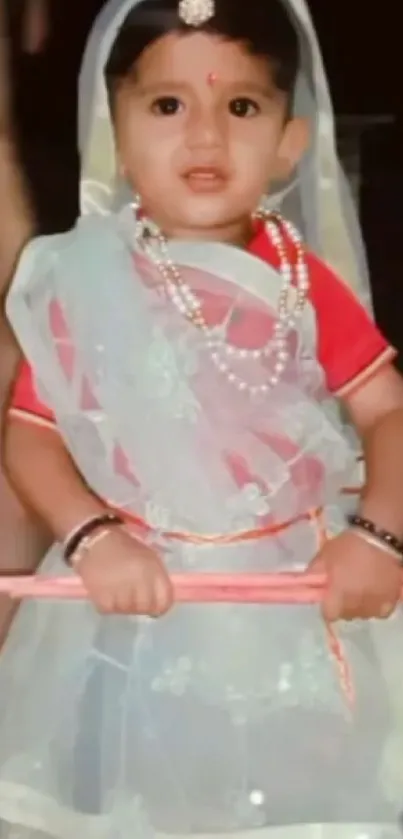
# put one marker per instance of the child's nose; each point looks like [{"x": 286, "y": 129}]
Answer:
[{"x": 205, "y": 129}]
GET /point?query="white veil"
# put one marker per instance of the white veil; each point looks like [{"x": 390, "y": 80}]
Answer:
[{"x": 317, "y": 200}]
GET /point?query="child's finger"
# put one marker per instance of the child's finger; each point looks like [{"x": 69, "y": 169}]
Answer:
[
  {"x": 160, "y": 599},
  {"x": 124, "y": 602},
  {"x": 104, "y": 604},
  {"x": 332, "y": 606},
  {"x": 386, "y": 610}
]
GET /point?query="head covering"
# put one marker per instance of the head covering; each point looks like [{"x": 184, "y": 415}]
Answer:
[{"x": 317, "y": 199}]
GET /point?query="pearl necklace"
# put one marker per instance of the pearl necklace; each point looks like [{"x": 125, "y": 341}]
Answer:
[{"x": 189, "y": 306}]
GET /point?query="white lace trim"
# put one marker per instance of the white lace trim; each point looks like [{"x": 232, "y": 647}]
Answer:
[{"x": 26, "y": 808}]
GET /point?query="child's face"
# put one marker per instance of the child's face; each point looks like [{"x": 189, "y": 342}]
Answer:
[{"x": 202, "y": 133}]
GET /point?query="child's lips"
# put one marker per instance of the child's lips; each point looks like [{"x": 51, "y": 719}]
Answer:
[{"x": 205, "y": 179}]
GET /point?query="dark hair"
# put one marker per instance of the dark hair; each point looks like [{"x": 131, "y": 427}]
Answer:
[{"x": 264, "y": 26}]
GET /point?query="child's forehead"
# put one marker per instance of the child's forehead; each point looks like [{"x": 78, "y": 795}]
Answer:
[{"x": 182, "y": 57}]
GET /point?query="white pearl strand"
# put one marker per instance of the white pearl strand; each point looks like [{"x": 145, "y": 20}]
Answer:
[{"x": 189, "y": 306}]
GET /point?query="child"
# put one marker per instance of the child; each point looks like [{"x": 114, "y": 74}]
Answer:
[{"x": 184, "y": 350}]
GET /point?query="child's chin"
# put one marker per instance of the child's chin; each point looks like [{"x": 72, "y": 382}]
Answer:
[{"x": 208, "y": 211}]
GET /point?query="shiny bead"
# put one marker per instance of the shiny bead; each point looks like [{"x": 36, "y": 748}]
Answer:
[{"x": 189, "y": 306}]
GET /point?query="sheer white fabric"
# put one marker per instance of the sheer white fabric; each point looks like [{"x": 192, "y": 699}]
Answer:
[{"x": 217, "y": 720}]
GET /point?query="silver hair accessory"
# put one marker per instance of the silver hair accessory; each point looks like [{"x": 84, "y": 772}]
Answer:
[{"x": 196, "y": 12}]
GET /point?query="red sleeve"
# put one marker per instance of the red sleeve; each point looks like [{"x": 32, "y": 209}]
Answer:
[
  {"x": 25, "y": 402},
  {"x": 350, "y": 347}
]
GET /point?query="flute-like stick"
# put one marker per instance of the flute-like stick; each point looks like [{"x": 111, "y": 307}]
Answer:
[{"x": 285, "y": 588}]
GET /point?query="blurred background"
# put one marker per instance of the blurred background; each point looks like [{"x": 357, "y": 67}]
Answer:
[{"x": 362, "y": 47}]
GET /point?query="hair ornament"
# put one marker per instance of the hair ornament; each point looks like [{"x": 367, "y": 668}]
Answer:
[{"x": 196, "y": 12}]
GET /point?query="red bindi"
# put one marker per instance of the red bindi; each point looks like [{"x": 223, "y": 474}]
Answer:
[{"x": 211, "y": 79}]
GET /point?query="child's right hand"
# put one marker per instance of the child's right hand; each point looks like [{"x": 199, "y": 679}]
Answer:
[{"x": 124, "y": 576}]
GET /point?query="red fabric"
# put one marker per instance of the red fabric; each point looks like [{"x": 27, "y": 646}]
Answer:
[
  {"x": 24, "y": 396},
  {"x": 348, "y": 341}
]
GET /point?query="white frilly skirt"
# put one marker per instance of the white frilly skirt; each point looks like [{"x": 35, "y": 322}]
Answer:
[{"x": 215, "y": 721}]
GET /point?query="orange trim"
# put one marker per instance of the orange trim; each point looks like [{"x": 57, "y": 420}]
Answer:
[
  {"x": 334, "y": 643},
  {"x": 386, "y": 356},
  {"x": 343, "y": 668},
  {"x": 34, "y": 419},
  {"x": 222, "y": 538}
]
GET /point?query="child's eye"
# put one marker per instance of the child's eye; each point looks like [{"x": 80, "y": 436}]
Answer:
[
  {"x": 166, "y": 106},
  {"x": 243, "y": 107}
]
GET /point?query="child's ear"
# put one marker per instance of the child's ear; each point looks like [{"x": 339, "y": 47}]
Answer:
[{"x": 294, "y": 143}]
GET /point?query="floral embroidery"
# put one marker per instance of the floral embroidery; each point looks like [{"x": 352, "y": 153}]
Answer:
[
  {"x": 249, "y": 502},
  {"x": 157, "y": 516},
  {"x": 307, "y": 681},
  {"x": 169, "y": 366},
  {"x": 175, "y": 678}
]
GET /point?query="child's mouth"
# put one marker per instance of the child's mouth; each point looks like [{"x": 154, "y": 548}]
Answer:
[{"x": 205, "y": 179}]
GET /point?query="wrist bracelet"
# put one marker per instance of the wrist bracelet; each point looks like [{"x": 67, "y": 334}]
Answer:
[
  {"x": 86, "y": 546},
  {"x": 382, "y": 537},
  {"x": 376, "y": 543},
  {"x": 86, "y": 529}
]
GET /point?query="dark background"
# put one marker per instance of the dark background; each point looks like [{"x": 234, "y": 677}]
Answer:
[{"x": 363, "y": 53}]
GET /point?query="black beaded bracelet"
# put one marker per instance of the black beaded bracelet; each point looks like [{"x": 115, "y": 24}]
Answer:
[
  {"x": 382, "y": 536},
  {"x": 87, "y": 528}
]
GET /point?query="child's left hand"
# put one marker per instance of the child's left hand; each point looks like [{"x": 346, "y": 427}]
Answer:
[{"x": 363, "y": 581}]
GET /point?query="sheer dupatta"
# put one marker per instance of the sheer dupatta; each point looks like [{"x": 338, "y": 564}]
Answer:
[{"x": 152, "y": 386}]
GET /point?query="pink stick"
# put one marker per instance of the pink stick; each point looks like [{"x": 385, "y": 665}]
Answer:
[{"x": 283, "y": 588}]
